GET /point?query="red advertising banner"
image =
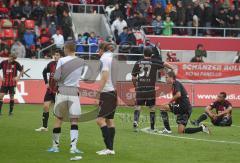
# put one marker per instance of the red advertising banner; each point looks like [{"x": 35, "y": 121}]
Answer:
[
  {"x": 208, "y": 72},
  {"x": 33, "y": 91},
  {"x": 190, "y": 43}
]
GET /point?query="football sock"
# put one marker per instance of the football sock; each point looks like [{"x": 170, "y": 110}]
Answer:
[
  {"x": 202, "y": 117},
  {"x": 74, "y": 135},
  {"x": 1, "y": 102},
  {"x": 152, "y": 120},
  {"x": 11, "y": 106},
  {"x": 111, "y": 137},
  {"x": 56, "y": 136},
  {"x": 192, "y": 130},
  {"x": 45, "y": 117},
  {"x": 106, "y": 137},
  {"x": 136, "y": 115},
  {"x": 165, "y": 119}
]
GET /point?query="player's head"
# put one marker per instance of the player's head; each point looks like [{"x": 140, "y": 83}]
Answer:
[
  {"x": 12, "y": 57},
  {"x": 147, "y": 52},
  {"x": 222, "y": 96},
  {"x": 170, "y": 77},
  {"x": 101, "y": 48},
  {"x": 57, "y": 55},
  {"x": 69, "y": 48}
]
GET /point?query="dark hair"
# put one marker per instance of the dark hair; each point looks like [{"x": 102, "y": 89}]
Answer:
[
  {"x": 171, "y": 74},
  {"x": 147, "y": 52},
  {"x": 224, "y": 94},
  {"x": 199, "y": 45}
]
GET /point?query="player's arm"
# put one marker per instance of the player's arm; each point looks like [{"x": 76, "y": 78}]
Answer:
[
  {"x": 135, "y": 72},
  {"x": 46, "y": 70},
  {"x": 58, "y": 72},
  {"x": 103, "y": 80},
  {"x": 225, "y": 112},
  {"x": 175, "y": 97},
  {"x": 208, "y": 110},
  {"x": 167, "y": 65},
  {"x": 20, "y": 69}
]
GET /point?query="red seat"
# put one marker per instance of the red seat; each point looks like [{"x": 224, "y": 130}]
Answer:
[
  {"x": 8, "y": 33},
  {"x": 29, "y": 24}
]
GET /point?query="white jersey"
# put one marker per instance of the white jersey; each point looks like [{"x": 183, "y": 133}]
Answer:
[
  {"x": 106, "y": 61},
  {"x": 69, "y": 73}
]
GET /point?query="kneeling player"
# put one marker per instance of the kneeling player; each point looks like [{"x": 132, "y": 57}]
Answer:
[
  {"x": 144, "y": 75},
  {"x": 180, "y": 106},
  {"x": 223, "y": 114},
  {"x": 51, "y": 90},
  {"x": 10, "y": 67}
]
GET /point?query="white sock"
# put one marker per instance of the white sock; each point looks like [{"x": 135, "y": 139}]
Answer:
[
  {"x": 56, "y": 137},
  {"x": 74, "y": 138}
]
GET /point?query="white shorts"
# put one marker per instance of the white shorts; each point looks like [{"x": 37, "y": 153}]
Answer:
[{"x": 67, "y": 107}]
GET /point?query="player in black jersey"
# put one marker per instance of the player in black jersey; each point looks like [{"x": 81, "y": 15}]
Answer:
[
  {"x": 51, "y": 90},
  {"x": 222, "y": 115},
  {"x": 180, "y": 106},
  {"x": 144, "y": 78}
]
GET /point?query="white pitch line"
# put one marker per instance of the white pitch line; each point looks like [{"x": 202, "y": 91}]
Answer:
[{"x": 188, "y": 138}]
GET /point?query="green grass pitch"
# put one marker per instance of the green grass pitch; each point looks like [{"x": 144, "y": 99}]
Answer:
[{"x": 19, "y": 143}]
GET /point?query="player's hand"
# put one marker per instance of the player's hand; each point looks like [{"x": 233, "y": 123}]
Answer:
[
  {"x": 16, "y": 79},
  {"x": 47, "y": 85}
]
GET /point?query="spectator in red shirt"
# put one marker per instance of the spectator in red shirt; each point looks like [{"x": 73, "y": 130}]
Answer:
[{"x": 171, "y": 57}]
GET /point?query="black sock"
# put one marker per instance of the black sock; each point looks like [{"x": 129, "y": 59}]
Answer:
[
  {"x": 136, "y": 115},
  {"x": 111, "y": 135},
  {"x": 202, "y": 117},
  {"x": 165, "y": 119},
  {"x": 11, "y": 106},
  {"x": 152, "y": 120},
  {"x": 1, "y": 102},
  {"x": 45, "y": 117},
  {"x": 106, "y": 137},
  {"x": 193, "y": 130}
]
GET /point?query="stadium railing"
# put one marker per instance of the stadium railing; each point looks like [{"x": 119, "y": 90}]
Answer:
[
  {"x": 195, "y": 31},
  {"x": 86, "y": 8},
  {"x": 49, "y": 48}
]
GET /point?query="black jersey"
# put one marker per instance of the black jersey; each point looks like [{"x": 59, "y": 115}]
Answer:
[
  {"x": 146, "y": 71},
  {"x": 221, "y": 106},
  {"x": 183, "y": 100}
]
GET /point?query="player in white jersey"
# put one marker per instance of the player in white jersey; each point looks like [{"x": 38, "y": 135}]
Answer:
[
  {"x": 107, "y": 99},
  {"x": 67, "y": 106}
]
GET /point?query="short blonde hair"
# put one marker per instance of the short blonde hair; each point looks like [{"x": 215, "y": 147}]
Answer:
[{"x": 70, "y": 46}]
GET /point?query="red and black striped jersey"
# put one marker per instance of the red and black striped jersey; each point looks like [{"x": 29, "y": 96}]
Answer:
[
  {"x": 221, "y": 106},
  {"x": 10, "y": 72},
  {"x": 51, "y": 68}
]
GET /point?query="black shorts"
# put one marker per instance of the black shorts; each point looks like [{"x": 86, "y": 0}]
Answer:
[
  {"x": 222, "y": 121},
  {"x": 183, "y": 113},
  {"x": 8, "y": 90},
  {"x": 146, "y": 98},
  {"x": 107, "y": 104},
  {"x": 49, "y": 96}
]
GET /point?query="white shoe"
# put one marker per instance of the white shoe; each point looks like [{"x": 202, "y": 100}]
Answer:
[
  {"x": 101, "y": 151},
  {"x": 106, "y": 152},
  {"x": 41, "y": 129},
  {"x": 165, "y": 131},
  {"x": 53, "y": 150},
  {"x": 75, "y": 151},
  {"x": 205, "y": 129}
]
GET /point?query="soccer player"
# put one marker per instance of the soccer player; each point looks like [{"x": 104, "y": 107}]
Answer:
[
  {"x": 180, "y": 106},
  {"x": 144, "y": 76},
  {"x": 107, "y": 99},
  {"x": 10, "y": 68},
  {"x": 51, "y": 90},
  {"x": 222, "y": 115},
  {"x": 67, "y": 105}
]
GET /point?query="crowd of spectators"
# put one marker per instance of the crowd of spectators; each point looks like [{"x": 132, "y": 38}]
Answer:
[{"x": 28, "y": 26}]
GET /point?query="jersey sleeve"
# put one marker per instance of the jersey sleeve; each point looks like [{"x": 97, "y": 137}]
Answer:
[
  {"x": 213, "y": 105},
  {"x": 178, "y": 87},
  {"x": 135, "y": 70},
  {"x": 105, "y": 65},
  {"x": 19, "y": 67},
  {"x": 45, "y": 71},
  {"x": 228, "y": 104}
]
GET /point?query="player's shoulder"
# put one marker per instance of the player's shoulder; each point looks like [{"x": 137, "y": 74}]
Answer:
[{"x": 227, "y": 103}]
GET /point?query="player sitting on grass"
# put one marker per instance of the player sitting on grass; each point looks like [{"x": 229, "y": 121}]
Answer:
[
  {"x": 181, "y": 107},
  {"x": 51, "y": 90},
  {"x": 144, "y": 77},
  {"x": 10, "y": 67},
  {"x": 223, "y": 114}
]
